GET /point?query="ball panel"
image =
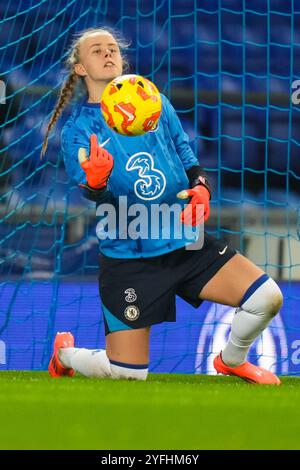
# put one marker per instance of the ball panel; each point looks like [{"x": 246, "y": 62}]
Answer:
[
  {"x": 107, "y": 114},
  {"x": 151, "y": 122},
  {"x": 128, "y": 113}
]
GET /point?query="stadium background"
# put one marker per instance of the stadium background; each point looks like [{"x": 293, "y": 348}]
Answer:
[{"x": 228, "y": 67}]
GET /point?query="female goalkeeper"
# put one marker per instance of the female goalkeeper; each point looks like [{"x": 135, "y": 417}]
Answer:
[{"x": 140, "y": 278}]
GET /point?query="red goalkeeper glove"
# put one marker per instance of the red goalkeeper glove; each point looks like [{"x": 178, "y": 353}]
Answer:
[
  {"x": 98, "y": 166},
  {"x": 192, "y": 214}
]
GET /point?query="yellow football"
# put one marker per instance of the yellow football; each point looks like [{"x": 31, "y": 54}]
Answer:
[{"x": 131, "y": 105}]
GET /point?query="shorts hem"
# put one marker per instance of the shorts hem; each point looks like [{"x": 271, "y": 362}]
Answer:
[
  {"x": 209, "y": 274},
  {"x": 140, "y": 327}
]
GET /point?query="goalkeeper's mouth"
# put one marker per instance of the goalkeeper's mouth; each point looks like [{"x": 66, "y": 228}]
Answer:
[{"x": 109, "y": 63}]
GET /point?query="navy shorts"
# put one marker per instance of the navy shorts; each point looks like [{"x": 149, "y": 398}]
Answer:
[{"x": 139, "y": 292}]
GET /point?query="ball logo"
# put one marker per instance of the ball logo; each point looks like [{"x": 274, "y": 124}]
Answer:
[
  {"x": 131, "y": 295},
  {"x": 131, "y": 313},
  {"x": 152, "y": 182},
  {"x": 270, "y": 350}
]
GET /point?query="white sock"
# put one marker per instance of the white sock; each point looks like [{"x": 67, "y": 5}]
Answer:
[
  {"x": 88, "y": 362},
  {"x": 259, "y": 305},
  {"x": 120, "y": 370}
]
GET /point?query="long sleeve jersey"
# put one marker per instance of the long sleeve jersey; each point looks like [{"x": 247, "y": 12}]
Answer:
[{"x": 148, "y": 170}]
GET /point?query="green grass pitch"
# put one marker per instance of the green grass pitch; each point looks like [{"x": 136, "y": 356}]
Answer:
[{"x": 165, "y": 412}]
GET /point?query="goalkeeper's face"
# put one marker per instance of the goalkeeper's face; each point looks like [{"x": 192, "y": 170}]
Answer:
[{"x": 100, "y": 58}]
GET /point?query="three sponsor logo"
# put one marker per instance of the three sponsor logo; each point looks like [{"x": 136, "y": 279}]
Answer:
[
  {"x": 157, "y": 221},
  {"x": 151, "y": 182},
  {"x": 130, "y": 295}
]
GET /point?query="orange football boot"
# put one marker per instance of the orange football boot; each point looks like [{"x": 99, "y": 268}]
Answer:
[
  {"x": 247, "y": 371},
  {"x": 55, "y": 368}
]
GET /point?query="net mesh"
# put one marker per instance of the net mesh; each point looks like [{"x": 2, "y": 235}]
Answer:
[{"x": 228, "y": 68}]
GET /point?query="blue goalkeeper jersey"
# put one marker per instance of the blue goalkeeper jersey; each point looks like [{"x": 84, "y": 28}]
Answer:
[{"x": 148, "y": 170}]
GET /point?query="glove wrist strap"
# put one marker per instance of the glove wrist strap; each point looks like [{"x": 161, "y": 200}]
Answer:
[
  {"x": 197, "y": 177},
  {"x": 202, "y": 181}
]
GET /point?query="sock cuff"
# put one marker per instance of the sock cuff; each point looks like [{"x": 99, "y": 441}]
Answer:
[
  {"x": 129, "y": 366},
  {"x": 256, "y": 284}
]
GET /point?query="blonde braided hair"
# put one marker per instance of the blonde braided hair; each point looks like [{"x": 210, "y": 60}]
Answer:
[{"x": 74, "y": 81}]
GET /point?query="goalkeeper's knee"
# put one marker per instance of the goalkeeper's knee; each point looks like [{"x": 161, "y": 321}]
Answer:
[
  {"x": 120, "y": 370},
  {"x": 263, "y": 297}
]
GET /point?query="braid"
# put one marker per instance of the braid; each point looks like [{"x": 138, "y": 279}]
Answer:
[
  {"x": 65, "y": 96},
  {"x": 68, "y": 89}
]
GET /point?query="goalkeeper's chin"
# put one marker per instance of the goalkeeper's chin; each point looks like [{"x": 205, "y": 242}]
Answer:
[{"x": 111, "y": 72}]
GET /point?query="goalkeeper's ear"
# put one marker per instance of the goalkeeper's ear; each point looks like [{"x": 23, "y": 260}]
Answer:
[{"x": 82, "y": 156}]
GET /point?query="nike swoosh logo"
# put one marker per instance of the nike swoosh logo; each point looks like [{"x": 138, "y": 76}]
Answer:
[
  {"x": 128, "y": 113},
  {"x": 105, "y": 142},
  {"x": 223, "y": 251}
]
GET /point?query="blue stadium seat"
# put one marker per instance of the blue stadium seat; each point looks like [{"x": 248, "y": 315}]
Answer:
[
  {"x": 294, "y": 160},
  {"x": 207, "y": 29},
  {"x": 240, "y": 150},
  {"x": 183, "y": 62},
  {"x": 256, "y": 84},
  {"x": 236, "y": 197},
  {"x": 280, "y": 29},
  {"x": 10, "y": 30},
  {"x": 208, "y": 58},
  {"x": 231, "y": 84},
  {"x": 283, "y": 155},
  {"x": 256, "y": 59},
  {"x": 210, "y": 5},
  {"x": 232, "y": 58},
  {"x": 183, "y": 32},
  {"x": 205, "y": 82},
  {"x": 280, "y": 61},
  {"x": 279, "y": 85},
  {"x": 24, "y": 236},
  {"x": 14, "y": 53},
  {"x": 232, "y": 27},
  {"x": 47, "y": 44},
  {"x": 257, "y": 6},
  {"x": 26, "y": 136},
  {"x": 280, "y": 197},
  {"x": 181, "y": 8},
  {"x": 256, "y": 28}
]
